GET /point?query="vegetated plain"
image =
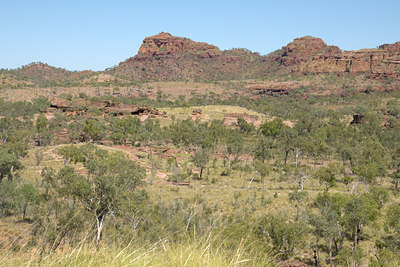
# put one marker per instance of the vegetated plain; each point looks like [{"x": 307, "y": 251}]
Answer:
[{"x": 282, "y": 168}]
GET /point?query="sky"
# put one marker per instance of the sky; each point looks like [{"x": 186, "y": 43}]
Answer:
[{"x": 95, "y": 35}]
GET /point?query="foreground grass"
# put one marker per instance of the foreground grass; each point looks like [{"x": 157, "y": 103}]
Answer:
[{"x": 206, "y": 252}]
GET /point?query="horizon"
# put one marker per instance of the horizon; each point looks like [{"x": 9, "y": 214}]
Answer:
[{"x": 99, "y": 35}]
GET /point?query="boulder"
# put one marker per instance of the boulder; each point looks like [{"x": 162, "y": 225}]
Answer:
[
  {"x": 61, "y": 104},
  {"x": 197, "y": 112}
]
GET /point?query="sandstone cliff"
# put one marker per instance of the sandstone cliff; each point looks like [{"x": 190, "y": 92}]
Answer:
[
  {"x": 167, "y": 57},
  {"x": 164, "y": 44},
  {"x": 312, "y": 55}
]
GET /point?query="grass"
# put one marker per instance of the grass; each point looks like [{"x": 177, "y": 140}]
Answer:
[
  {"x": 210, "y": 112},
  {"x": 207, "y": 251}
]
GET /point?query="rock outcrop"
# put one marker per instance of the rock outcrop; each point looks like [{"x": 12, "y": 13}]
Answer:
[
  {"x": 167, "y": 57},
  {"x": 127, "y": 109},
  {"x": 310, "y": 55},
  {"x": 275, "y": 88},
  {"x": 81, "y": 107},
  {"x": 164, "y": 44}
]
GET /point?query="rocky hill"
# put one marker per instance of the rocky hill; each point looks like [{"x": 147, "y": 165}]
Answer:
[
  {"x": 167, "y": 57},
  {"x": 164, "y": 57},
  {"x": 43, "y": 74},
  {"x": 312, "y": 55}
]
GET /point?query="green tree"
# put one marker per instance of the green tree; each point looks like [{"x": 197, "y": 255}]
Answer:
[
  {"x": 284, "y": 236},
  {"x": 263, "y": 148},
  {"x": 28, "y": 196},
  {"x": 327, "y": 176},
  {"x": 298, "y": 197},
  {"x": 9, "y": 165},
  {"x": 234, "y": 146},
  {"x": 262, "y": 168},
  {"x": 200, "y": 159},
  {"x": 111, "y": 177},
  {"x": 8, "y": 198},
  {"x": 327, "y": 222},
  {"x": 272, "y": 128},
  {"x": 367, "y": 172},
  {"x": 244, "y": 126},
  {"x": 93, "y": 129},
  {"x": 360, "y": 211},
  {"x": 41, "y": 127},
  {"x": 71, "y": 154},
  {"x": 287, "y": 139}
]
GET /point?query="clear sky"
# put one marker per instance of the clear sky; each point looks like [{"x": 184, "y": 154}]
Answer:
[{"x": 95, "y": 35}]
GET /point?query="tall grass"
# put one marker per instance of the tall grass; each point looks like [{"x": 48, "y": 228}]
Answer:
[{"x": 210, "y": 250}]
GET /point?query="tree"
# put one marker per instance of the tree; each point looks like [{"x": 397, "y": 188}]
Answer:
[
  {"x": 234, "y": 145},
  {"x": 396, "y": 175},
  {"x": 39, "y": 156},
  {"x": 244, "y": 126},
  {"x": 41, "y": 127},
  {"x": 380, "y": 195},
  {"x": 200, "y": 159},
  {"x": 262, "y": 168},
  {"x": 396, "y": 179},
  {"x": 298, "y": 197},
  {"x": 359, "y": 211},
  {"x": 327, "y": 176},
  {"x": 111, "y": 177},
  {"x": 324, "y": 227},
  {"x": 9, "y": 164},
  {"x": 392, "y": 222},
  {"x": 263, "y": 148},
  {"x": 327, "y": 222},
  {"x": 124, "y": 128},
  {"x": 287, "y": 140},
  {"x": 272, "y": 128},
  {"x": 285, "y": 236},
  {"x": 92, "y": 129},
  {"x": 71, "y": 154},
  {"x": 28, "y": 196},
  {"x": 301, "y": 174},
  {"x": 348, "y": 257},
  {"x": 367, "y": 172},
  {"x": 8, "y": 197}
]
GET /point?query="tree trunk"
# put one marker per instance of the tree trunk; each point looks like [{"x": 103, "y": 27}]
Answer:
[
  {"x": 315, "y": 257},
  {"x": 252, "y": 180},
  {"x": 286, "y": 155},
  {"x": 25, "y": 206},
  {"x": 100, "y": 225},
  {"x": 330, "y": 251},
  {"x": 355, "y": 237},
  {"x": 201, "y": 172},
  {"x": 134, "y": 223}
]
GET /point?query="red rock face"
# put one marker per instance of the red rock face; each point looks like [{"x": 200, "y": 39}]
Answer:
[
  {"x": 391, "y": 47},
  {"x": 164, "y": 44},
  {"x": 167, "y": 57},
  {"x": 311, "y": 55},
  {"x": 301, "y": 50}
]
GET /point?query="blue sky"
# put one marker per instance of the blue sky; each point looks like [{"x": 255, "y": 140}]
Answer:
[{"x": 79, "y": 35}]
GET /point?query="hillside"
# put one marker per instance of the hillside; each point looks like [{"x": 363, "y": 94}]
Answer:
[
  {"x": 307, "y": 63},
  {"x": 167, "y": 57}
]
